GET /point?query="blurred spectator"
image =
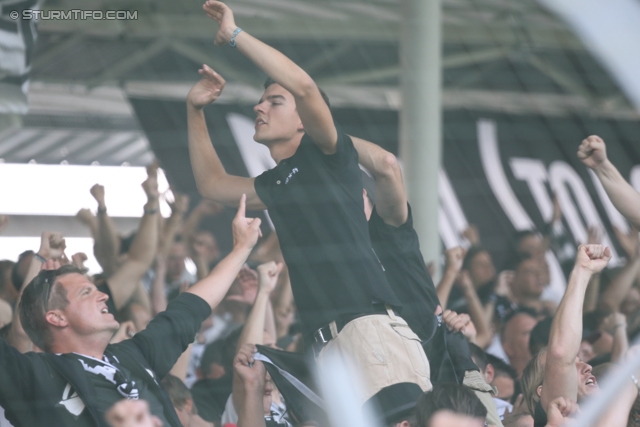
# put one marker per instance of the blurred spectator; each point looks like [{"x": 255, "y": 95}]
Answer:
[
  {"x": 183, "y": 402},
  {"x": 395, "y": 405},
  {"x": 450, "y": 405}
]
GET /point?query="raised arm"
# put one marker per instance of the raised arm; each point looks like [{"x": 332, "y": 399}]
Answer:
[
  {"x": 254, "y": 327},
  {"x": 246, "y": 232},
  {"x": 560, "y": 375},
  {"x": 391, "y": 196},
  {"x": 593, "y": 153},
  {"x": 452, "y": 266},
  {"x": 619, "y": 288},
  {"x": 123, "y": 282},
  {"x": 107, "y": 243},
  {"x": 314, "y": 112},
  {"x": 212, "y": 179}
]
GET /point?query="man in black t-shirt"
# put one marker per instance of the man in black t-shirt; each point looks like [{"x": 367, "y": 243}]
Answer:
[
  {"x": 396, "y": 242},
  {"x": 314, "y": 197}
]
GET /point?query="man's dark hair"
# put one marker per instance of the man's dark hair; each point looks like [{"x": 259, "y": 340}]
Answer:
[
  {"x": 471, "y": 254},
  {"x": 17, "y": 272},
  {"x": 519, "y": 236},
  {"x": 520, "y": 310},
  {"x": 515, "y": 259},
  {"x": 33, "y": 305},
  {"x": 270, "y": 82},
  {"x": 178, "y": 392},
  {"x": 501, "y": 368},
  {"x": 451, "y": 397}
]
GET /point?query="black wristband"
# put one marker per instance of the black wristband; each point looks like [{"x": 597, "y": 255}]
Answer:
[
  {"x": 40, "y": 258},
  {"x": 151, "y": 211},
  {"x": 102, "y": 210}
]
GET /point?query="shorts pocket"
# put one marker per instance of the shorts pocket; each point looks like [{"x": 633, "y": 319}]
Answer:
[{"x": 414, "y": 351}]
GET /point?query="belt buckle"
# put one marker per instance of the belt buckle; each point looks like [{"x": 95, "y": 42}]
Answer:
[{"x": 319, "y": 337}]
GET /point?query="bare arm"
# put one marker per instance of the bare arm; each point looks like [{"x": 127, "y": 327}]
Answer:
[
  {"x": 453, "y": 264},
  {"x": 107, "y": 242},
  {"x": 214, "y": 287},
  {"x": 616, "y": 325},
  {"x": 484, "y": 334},
  {"x": 248, "y": 388},
  {"x": 171, "y": 227},
  {"x": 314, "y": 112},
  {"x": 212, "y": 179},
  {"x": 123, "y": 282},
  {"x": 157, "y": 292},
  {"x": 560, "y": 375},
  {"x": 391, "y": 196},
  {"x": 593, "y": 294},
  {"x": 619, "y": 287},
  {"x": 592, "y": 152},
  {"x": 253, "y": 330}
]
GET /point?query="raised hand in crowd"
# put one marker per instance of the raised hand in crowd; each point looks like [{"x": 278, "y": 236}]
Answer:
[
  {"x": 105, "y": 234},
  {"x": 563, "y": 375},
  {"x": 477, "y": 314},
  {"x": 454, "y": 258},
  {"x": 251, "y": 390},
  {"x": 593, "y": 153},
  {"x": 207, "y": 90},
  {"x": 615, "y": 324},
  {"x": 472, "y": 234},
  {"x": 78, "y": 259}
]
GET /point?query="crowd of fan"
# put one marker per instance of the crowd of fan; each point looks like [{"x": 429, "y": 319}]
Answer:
[
  {"x": 522, "y": 343},
  {"x": 503, "y": 313}
]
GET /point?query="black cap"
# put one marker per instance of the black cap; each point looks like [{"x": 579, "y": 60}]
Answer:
[{"x": 394, "y": 402}]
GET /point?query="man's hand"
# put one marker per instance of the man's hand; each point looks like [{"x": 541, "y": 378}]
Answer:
[
  {"x": 559, "y": 409},
  {"x": 207, "y": 90},
  {"x": 592, "y": 258},
  {"x": 180, "y": 205},
  {"x": 453, "y": 259},
  {"x": 472, "y": 234},
  {"x": 223, "y": 15},
  {"x": 85, "y": 216},
  {"x": 592, "y": 152},
  {"x": 78, "y": 259},
  {"x": 97, "y": 191},
  {"x": 251, "y": 372},
  {"x": 52, "y": 246},
  {"x": 246, "y": 231},
  {"x": 459, "y": 323},
  {"x": 150, "y": 187},
  {"x": 268, "y": 275}
]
